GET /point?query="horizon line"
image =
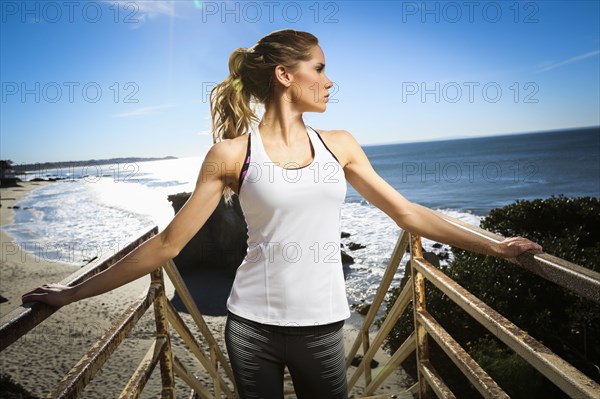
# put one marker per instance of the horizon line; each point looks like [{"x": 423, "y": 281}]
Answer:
[
  {"x": 408, "y": 141},
  {"x": 452, "y": 138}
]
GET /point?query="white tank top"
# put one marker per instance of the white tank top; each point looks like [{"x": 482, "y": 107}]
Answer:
[{"x": 292, "y": 273}]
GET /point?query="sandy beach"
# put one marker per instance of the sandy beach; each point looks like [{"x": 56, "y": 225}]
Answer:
[{"x": 39, "y": 360}]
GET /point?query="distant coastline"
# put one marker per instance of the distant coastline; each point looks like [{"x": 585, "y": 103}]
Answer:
[
  {"x": 452, "y": 138},
  {"x": 32, "y": 167}
]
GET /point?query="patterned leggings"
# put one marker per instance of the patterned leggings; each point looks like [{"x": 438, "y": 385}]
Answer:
[{"x": 313, "y": 355}]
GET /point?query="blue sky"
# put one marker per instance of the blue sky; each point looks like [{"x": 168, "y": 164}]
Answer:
[{"x": 100, "y": 79}]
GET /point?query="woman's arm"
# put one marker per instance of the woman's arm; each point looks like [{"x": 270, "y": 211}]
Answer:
[
  {"x": 157, "y": 250},
  {"x": 415, "y": 218}
]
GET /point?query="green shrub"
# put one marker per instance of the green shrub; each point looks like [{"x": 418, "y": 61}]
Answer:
[
  {"x": 567, "y": 324},
  {"x": 517, "y": 377}
]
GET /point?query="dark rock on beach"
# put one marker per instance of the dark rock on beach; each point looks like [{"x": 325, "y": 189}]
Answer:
[
  {"x": 431, "y": 258},
  {"x": 352, "y": 246},
  {"x": 362, "y": 308},
  {"x": 443, "y": 255},
  {"x": 9, "y": 182},
  {"x": 358, "y": 359},
  {"x": 221, "y": 242},
  {"x": 209, "y": 261},
  {"x": 347, "y": 259}
]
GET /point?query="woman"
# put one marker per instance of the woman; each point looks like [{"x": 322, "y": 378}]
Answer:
[{"x": 287, "y": 305}]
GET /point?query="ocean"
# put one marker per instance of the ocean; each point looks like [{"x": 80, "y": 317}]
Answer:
[{"x": 98, "y": 209}]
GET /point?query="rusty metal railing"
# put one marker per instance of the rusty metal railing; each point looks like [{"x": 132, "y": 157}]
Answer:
[
  {"x": 23, "y": 319},
  {"x": 581, "y": 281}
]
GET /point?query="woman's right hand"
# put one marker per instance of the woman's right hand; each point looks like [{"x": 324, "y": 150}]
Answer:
[{"x": 51, "y": 294}]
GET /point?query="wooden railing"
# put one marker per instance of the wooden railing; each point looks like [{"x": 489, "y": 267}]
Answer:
[
  {"x": 579, "y": 280},
  {"x": 23, "y": 319}
]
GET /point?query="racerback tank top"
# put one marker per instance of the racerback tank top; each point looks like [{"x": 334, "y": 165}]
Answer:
[{"x": 292, "y": 273}]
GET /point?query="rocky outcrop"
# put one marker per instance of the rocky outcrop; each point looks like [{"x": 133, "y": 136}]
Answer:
[
  {"x": 352, "y": 246},
  {"x": 208, "y": 262},
  {"x": 221, "y": 242},
  {"x": 9, "y": 182}
]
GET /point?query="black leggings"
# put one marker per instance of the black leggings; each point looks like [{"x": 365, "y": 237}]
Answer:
[{"x": 314, "y": 356}]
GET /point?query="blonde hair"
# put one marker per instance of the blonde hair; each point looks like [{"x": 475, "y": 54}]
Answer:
[{"x": 251, "y": 74}]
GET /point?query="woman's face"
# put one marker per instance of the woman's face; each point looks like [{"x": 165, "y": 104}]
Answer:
[{"x": 309, "y": 84}]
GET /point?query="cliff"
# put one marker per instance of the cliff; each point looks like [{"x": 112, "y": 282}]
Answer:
[{"x": 221, "y": 242}]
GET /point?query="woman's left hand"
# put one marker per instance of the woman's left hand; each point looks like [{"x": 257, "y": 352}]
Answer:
[{"x": 513, "y": 246}]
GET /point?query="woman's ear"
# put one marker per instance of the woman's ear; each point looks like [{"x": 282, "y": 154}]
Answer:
[{"x": 282, "y": 75}]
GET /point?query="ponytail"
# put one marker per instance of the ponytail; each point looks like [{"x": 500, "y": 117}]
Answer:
[{"x": 230, "y": 102}]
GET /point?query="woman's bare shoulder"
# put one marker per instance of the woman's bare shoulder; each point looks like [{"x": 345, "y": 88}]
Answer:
[
  {"x": 230, "y": 150},
  {"x": 340, "y": 142},
  {"x": 342, "y": 139},
  {"x": 335, "y": 135}
]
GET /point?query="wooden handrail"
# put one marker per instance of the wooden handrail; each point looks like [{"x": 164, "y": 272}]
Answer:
[
  {"x": 557, "y": 370},
  {"x": 581, "y": 281},
  {"x": 21, "y": 320},
  {"x": 24, "y": 318}
]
